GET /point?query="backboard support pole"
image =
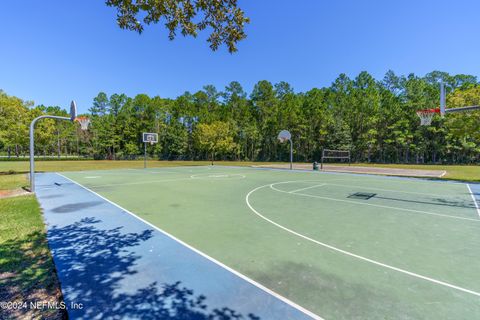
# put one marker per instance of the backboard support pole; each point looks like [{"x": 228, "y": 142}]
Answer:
[
  {"x": 144, "y": 155},
  {"x": 443, "y": 98},
  {"x": 32, "y": 146},
  {"x": 73, "y": 116},
  {"x": 291, "y": 153}
]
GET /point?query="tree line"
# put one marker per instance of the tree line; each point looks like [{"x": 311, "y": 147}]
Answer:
[{"x": 374, "y": 119}]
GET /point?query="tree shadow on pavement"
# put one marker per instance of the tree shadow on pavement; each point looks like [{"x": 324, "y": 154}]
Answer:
[{"x": 95, "y": 263}]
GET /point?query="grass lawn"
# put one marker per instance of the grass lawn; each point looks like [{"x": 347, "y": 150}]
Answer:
[
  {"x": 13, "y": 181},
  {"x": 27, "y": 272},
  {"x": 78, "y": 165}
]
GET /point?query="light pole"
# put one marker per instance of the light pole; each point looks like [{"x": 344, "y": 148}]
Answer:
[{"x": 73, "y": 115}]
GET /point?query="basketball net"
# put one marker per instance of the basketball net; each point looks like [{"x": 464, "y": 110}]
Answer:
[
  {"x": 84, "y": 122},
  {"x": 426, "y": 116}
]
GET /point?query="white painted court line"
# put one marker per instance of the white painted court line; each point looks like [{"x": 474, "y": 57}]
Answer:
[
  {"x": 238, "y": 274},
  {"x": 217, "y": 175},
  {"x": 348, "y": 253},
  {"x": 137, "y": 183},
  {"x": 311, "y": 187},
  {"x": 160, "y": 172},
  {"x": 188, "y": 169},
  {"x": 380, "y": 189},
  {"x": 389, "y": 190},
  {"x": 370, "y": 204},
  {"x": 474, "y": 200}
]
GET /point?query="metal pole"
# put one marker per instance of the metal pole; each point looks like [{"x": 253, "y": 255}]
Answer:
[
  {"x": 442, "y": 98},
  {"x": 32, "y": 155},
  {"x": 291, "y": 154},
  {"x": 321, "y": 161},
  {"x": 145, "y": 156},
  {"x": 32, "y": 149}
]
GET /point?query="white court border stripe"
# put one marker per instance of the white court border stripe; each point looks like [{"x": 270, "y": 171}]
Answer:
[
  {"x": 238, "y": 274},
  {"x": 474, "y": 200},
  {"x": 331, "y": 183},
  {"x": 137, "y": 183},
  {"x": 369, "y": 204},
  {"x": 353, "y": 254},
  {"x": 311, "y": 187}
]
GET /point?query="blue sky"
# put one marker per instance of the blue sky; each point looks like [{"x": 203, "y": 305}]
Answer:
[{"x": 55, "y": 51}]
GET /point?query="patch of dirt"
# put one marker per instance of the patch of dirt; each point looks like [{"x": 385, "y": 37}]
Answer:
[
  {"x": 13, "y": 193},
  {"x": 31, "y": 302}
]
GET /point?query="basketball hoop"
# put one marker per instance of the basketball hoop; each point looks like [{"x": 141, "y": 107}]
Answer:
[
  {"x": 426, "y": 116},
  {"x": 283, "y": 136},
  {"x": 151, "y": 138},
  {"x": 84, "y": 122}
]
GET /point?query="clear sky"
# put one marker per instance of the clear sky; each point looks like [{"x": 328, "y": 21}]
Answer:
[{"x": 56, "y": 50}]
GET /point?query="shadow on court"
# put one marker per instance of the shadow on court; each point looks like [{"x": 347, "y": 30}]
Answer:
[
  {"x": 436, "y": 202},
  {"x": 94, "y": 262},
  {"x": 72, "y": 207}
]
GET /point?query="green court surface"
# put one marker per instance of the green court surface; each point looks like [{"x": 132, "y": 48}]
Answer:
[{"x": 405, "y": 249}]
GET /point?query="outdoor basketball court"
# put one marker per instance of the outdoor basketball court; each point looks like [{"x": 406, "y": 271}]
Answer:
[{"x": 310, "y": 244}]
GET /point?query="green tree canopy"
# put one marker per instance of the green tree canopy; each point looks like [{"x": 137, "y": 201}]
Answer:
[{"x": 223, "y": 17}]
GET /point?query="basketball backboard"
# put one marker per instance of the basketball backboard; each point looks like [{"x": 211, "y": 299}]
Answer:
[
  {"x": 150, "y": 137},
  {"x": 73, "y": 110},
  {"x": 284, "y": 135}
]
